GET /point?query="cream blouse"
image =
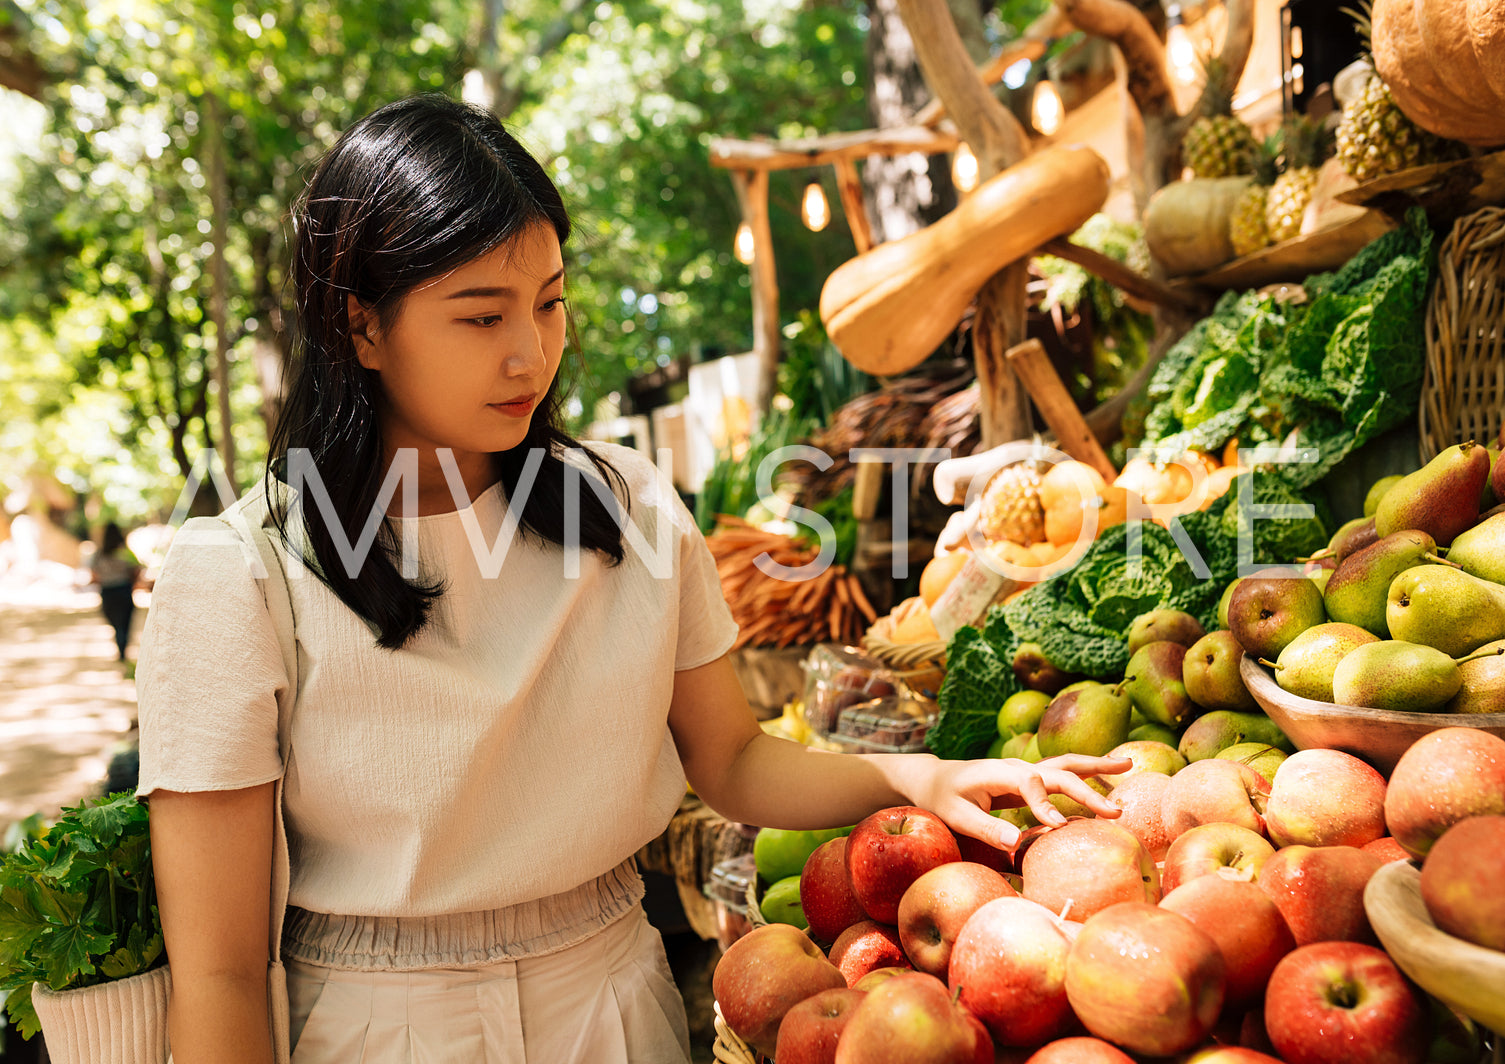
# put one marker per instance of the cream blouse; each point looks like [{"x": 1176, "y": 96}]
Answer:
[{"x": 515, "y": 748}]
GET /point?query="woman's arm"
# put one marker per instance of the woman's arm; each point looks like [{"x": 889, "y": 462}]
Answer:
[
  {"x": 749, "y": 776},
  {"x": 212, "y": 860}
]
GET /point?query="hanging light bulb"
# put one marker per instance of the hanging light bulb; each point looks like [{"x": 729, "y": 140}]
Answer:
[
  {"x": 814, "y": 209},
  {"x": 964, "y": 169},
  {"x": 1179, "y": 47},
  {"x": 1046, "y": 108},
  {"x": 744, "y": 244}
]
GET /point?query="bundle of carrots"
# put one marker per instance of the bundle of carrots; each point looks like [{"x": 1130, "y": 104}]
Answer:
[{"x": 774, "y": 612}]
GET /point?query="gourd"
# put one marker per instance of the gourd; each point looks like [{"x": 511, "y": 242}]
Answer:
[
  {"x": 889, "y": 308},
  {"x": 1186, "y": 223},
  {"x": 1444, "y": 61}
]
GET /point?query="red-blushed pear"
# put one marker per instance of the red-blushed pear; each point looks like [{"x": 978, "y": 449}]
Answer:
[
  {"x": 1248, "y": 928},
  {"x": 891, "y": 849},
  {"x": 1008, "y": 968},
  {"x": 1461, "y": 881},
  {"x": 912, "y": 1019},
  {"x": 865, "y": 946},
  {"x": 1344, "y": 1003},
  {"x": 826, "y": 895},
  {"x": 1230, "y": 1055},
  {"x": 1325, "y": 798},
  {"x": 1210, "y": 848},
  {"x": 1320, "y": 892},
  {"x": 874, "y": 978},
  {"x": 1146, "y": 979},
  {"x": 936, "y": 905},
  {"x": 811, "y": 1030},
  {"x": 1212, "y": 791},
  {"x": 1443, "y": 777},
  {"x": 1084, "y": 866},
  {"x": 1079, "y": 1050},
  {"x": 1386, "y": 849},
  {"x": 1147, "y": 755},
  {"x": 1139, "y": 796},
  {"x": 764, "y": 974}
]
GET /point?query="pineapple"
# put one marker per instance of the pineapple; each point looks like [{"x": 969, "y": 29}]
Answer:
[
  {"x": 1011, "y": 507},
  {"x": 1217, "y": 144},
  {"x": 1306, "y": 145},
  {"x": 1247, "y": 230}
]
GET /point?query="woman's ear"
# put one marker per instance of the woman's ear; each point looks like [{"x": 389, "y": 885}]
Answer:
[{"x": 363, "y": 332}]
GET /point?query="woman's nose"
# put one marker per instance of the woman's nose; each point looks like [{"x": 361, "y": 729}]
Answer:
[{"x": 525, "y": 354}]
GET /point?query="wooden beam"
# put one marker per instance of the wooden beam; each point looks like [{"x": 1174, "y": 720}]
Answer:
[
  {"x": 752, "y": 195},
  {"x": 1117, "y": 274},
  {"x": 730, "y": 154},
  {"x": 1031, "y": 45},
  {"x": 1057, "y": 408},
  {"x": 852, "y": 205}
]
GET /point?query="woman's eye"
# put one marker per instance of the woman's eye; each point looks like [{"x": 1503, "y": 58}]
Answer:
[
  {"x": 487, "y": 321},
  {"x": 554, "y": 304}
]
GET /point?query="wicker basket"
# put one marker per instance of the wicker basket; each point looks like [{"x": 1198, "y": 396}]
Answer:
[
  {"x": 728, "y": 1047},
  {"x": 1464, "y": 390},
  {"x": 920, "y": 665}
]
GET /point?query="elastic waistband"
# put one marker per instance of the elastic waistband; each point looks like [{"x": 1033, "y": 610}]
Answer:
[{"x": 462, "y": 940}]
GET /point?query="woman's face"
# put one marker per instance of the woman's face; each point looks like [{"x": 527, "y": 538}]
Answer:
[{"x": 470, "y": 353}]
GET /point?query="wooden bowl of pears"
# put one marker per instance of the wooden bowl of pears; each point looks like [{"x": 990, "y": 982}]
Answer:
[{"x": 1378, "y": 736}]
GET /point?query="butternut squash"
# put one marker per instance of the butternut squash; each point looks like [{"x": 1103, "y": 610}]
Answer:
[{"x": 889, "y": 308}]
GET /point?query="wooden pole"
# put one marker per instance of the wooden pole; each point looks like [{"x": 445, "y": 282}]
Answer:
[
  {"x": 752, "y": 195},
  {"x": 1057, "y": 408},
  {"x": 852, "y": 205},
  {"x": 219, "y": 197}
]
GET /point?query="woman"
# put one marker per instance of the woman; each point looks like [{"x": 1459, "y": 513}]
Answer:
[
  {"x": 115, "y": 569},
  {"x": 488, "y": 724}
]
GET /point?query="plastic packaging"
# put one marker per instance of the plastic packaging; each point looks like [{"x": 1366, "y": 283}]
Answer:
[
  {"x": 727, "y": 889},
  {"x": 895, "y": 725},
  {"x": 838, "y": 677}
]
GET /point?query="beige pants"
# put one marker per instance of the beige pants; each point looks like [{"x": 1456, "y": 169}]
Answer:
[{"x": 607, "y": 1000}]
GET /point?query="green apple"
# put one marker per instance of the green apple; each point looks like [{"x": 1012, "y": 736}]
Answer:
[
  {"x": 781, "y": 903},
  {"x": 1021, "y": 712},
  {"x": 778, "y": 853}
]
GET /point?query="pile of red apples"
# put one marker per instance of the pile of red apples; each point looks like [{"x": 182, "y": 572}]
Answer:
[{"x": 1219, "y": 920}]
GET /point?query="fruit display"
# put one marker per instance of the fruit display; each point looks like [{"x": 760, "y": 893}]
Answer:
[
  {"x": 1217, "y": 144},
  {"x": 1305, "y": 147}
]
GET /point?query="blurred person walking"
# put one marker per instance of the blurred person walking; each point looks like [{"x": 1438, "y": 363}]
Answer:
[{"x": 115, "y": 569}]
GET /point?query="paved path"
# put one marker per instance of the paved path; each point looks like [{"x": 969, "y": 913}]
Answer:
[{"x": 64, "y": 700}]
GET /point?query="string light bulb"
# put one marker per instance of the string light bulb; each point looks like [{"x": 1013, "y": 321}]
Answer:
[
  {"x": 964, "y": 169},
  {"x": 814, "y": 210},
  {"x": 1046, "y": 108},
  {"x": 1179, "y": 47},
  {"x": 743, "y": 245}
]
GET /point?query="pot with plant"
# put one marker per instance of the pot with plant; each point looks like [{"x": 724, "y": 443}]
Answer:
[{"x": 81, "y": 955}]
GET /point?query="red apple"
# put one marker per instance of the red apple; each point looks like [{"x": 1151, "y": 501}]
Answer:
[
  {"x": 1320, "y": 891},
  {"x": 1008, "y": 968},
  {"x": 764, "y": 974},
  {"x": 936, "y": 905},
  {"x": 867, "y": 945},
  {"x": 826, "y": 895},
  {"x": 872, "y": 979},
  {"x": 1230, "y": 1055},
  {"x": 1139, "y": 796},
  {"x": 1078, "y": 1051},
  {"x": 1344, "y": 1003},
  {"x": 1325, "y": 798},
  {"x": 911, "y": 1019},
  {"x": 891, "y": 849},
  {"x": 1084, "y": 866},
  {"x": 1214, "y": 791},
  {"x": 1386, "y": 849},
  {"x": 1248, "y": 928},
  {"x": 811, "y": 1029},
  {"x": 1461, "y": 878},
  {"x": 1442, "y": 777},
  {"x": 1146, "y": 979},
  {"x": 984, "y": 853},
  {"x": 1211, "y": 848}
]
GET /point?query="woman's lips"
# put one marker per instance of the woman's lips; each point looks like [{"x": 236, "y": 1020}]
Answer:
[{"x": 518, "y": 407}]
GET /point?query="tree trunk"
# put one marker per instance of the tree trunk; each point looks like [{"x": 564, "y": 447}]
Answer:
[{"x": 219, "y": 280}]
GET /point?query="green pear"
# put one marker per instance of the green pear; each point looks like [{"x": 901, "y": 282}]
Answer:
[
  {"x": 1483, "y": 689},
  {"x": 1354, "y": 535},
  {"x": 1377, "y": 492},
  {"x": 1445, "y": 608},
  {"x": 1035, "y": 671},
  {"x": 1271, "y": 608},
  {"x": 1032, "y": 752},
  {"x": 1394, "y": 674},
  {"x": 1320, "y": 577},
  {"x": 1136, "y": 718},
  {"x": 1223, "y": 728},
  {"x": 1223, "y": 601},
  {"x": 1481, "y": 550},
  {"x": 1157, "y": 733},
  {"x": 1489, "y": 497},
  {"x": 1021, "y": 712},
  {"x": 1360, "y": 586},
  {"x": 1261, "y": 757},
  {"x": 1088, "y": 721},
  {"x": 1016, "y": 746},
  {"x": 995, "y": 748},
  {"x": 1176, "y": 626},
  {"x": 1305, "y": 667},
  {"x": 1441, "y": 498},
  {"x": 1210, "y": 671},
  {"x": 1153, "y": 681},
  {"x": 1147, "y": 756},
  {"x": 1079, "y": 685}
]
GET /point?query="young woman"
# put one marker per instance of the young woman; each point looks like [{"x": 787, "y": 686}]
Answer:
[
  {"x": 115, "y": 569},
  {"x": 501, "y": 701}
]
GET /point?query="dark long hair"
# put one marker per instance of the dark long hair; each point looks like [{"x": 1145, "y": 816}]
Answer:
[{"x": 411, "y": 191}]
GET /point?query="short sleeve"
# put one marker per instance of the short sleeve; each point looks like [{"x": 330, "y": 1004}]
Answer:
[
  {"x": 210, "y": 669},
  {"x": 706, "y": 627}
]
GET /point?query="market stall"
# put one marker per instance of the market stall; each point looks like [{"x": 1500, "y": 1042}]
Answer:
[{"x": 1273, "y": 582}]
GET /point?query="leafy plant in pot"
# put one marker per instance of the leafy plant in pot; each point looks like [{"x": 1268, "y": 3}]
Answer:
[{"x": 80, "y": 938}]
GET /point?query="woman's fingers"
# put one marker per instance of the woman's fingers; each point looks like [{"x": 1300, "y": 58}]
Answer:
[{"x": 968, "y": 819}]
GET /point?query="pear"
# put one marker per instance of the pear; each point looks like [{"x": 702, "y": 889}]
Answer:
[
  {"x": 1015, "y": 746},
  {"x": 1397, "y": 675},
  {"x": 1441, "y": 498},
  {"x": 1035, "y": 671},
  {"x": 1090, "y": 720},
  {"x": 1481, "y": 550},
  {"x": 1032, "y": 750},
  {"x": 1357, "y": 591},
  {"x": 1154, "y": 733},
  {"x": 1270, "y": 608},
  {"x": 1210, "y": 671},
  {"x": 1153, "y": 681},
  {"x": 1175, "y": 626},
  {"x": 1446, "y": 608},
  {"x": 1497, "y": 474},
  {"x": 1021, "y": 712},
  {"x": 1377, "y": 492},
  {"x": 1483, "y": 689},
  {"x": 1355, "y": 535},
  {"x": 1261, "y": 757},
  {"x": 1320, "y": 577},
  {"x": 1223, "y": 601},
  {"x": 1305, "y": 667},
  {"x": 1489, "y": 496},
  {"x": 1222, "y": 728}
]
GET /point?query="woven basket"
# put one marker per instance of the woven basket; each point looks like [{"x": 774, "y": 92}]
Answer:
[
  {"x": 728, "y": 1047},
  {"x": 921, "y": 665},
  {"x": 1463, "y": 394}
]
